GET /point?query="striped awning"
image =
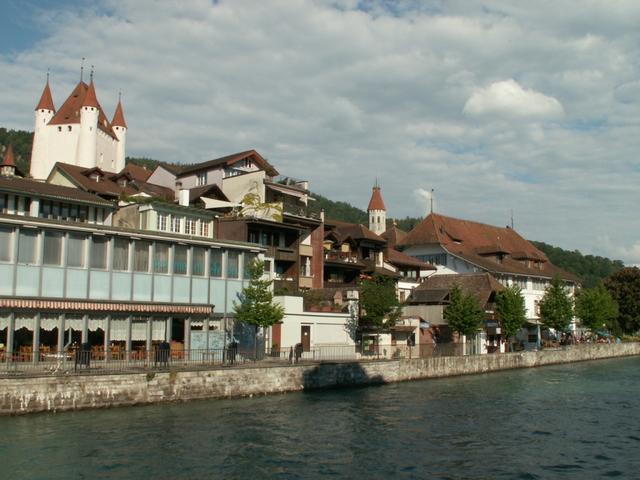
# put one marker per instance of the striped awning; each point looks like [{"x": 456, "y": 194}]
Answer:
[{"x": 121, "y": 307}]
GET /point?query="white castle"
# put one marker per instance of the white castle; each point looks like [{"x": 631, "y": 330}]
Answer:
[{"x": 78, "y": 134}]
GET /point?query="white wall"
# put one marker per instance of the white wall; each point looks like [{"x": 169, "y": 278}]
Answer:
[{"x": 326, "y": 328}]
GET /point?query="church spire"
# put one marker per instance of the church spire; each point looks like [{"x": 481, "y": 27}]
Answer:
[
  {"x": 377, "y": 211},
  {"x": 376, "y": 202}
]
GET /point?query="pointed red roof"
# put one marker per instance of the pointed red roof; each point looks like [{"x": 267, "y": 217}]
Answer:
[
  {"x": 90, "y": 99},
  {"x": 46, "y": 101},
  {"x": 118, "y": 117},
  {"x": 376, "y": 202},
  {"x": 8, "y": 157}
]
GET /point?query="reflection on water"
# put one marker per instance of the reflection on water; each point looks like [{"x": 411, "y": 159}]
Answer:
[{"x": 578, "y": 421}]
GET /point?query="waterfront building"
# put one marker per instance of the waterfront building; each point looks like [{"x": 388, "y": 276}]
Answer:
[
  {"x": 79, "y": 133},
  {"x": 463, "y": 246},
  {"x": 76, "y": 270}
]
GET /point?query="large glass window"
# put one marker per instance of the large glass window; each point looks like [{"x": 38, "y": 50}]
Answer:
[
  {"x": 99, "y": 247},
  {"x": 121, "y": 254},
  {"x": 27, "y": 242},
  {"x": 76, "y": 251},
  {"x": 162, "y": 222},
  {"x": 52, "y": 248},
  {"x": 232, "y": 264},
  {"x": 141, "y": 256},
  {"x": 190, "y": 226},
  {"x": 204, "y": 228},
  {"x": 215, "y": 263},
  {"x": 249, "y": 258},
  {"x": 6, "y": 245},
  {"x": 161, "y": 258},
  {"x": 175, "y": 224},
  {"x": 197, "y": 261},
  {"x": 180, "y": 259}
]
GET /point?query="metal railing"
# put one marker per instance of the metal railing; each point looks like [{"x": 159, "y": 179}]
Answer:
[{"x": 83, "y": 362}]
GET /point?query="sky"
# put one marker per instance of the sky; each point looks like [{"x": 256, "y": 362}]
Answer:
[{"x": 530, "y": 109}]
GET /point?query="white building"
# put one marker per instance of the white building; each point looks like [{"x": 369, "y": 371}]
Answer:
[{"x": 79, "y": 133}]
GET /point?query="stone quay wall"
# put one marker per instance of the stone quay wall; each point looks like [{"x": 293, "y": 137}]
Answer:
[{"x": 50, "y": 394}]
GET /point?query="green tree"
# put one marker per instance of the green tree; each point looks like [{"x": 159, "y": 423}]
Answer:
[
  {"x": 597, "y": 309},
  {"x": 256, "y": 305},
  {"x": 624, "y": 287},
  {"x": 379, "y": 302},
  {"x": 464, "y": 313},
  {"x": 511, "y": 310},
  {"x": 556, "y": 308}
]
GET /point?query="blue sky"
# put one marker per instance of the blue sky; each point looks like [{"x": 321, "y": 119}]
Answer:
[{"x": 496, "y": 105}]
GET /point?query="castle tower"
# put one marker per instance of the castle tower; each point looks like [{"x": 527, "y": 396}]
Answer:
[
  {"x": 8, "y": 166},
  {"x": 377, "y": 212},
  {"x": 120, "y": 128},
  {"x": 44, "y": 112},
  {"x": 87, "y": 142}
]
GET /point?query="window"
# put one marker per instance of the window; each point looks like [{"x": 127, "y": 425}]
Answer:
[
  {"x": 161, "y": 258},
  {"x": 52, "y": 248},
  {"x": 190, "y": 226},
  {"x": 162, "y": 222},
  {"x": 249, "y": 258},
  {"x": 215, "y": 263},
  {"x": 27, "y": 241},
  {"x": 201, "y": 179},
  {"x": 75, "y": 251},
  {"x": 204, "y": 228},
  {"x": 141, "y": 256},
  {"x": 175, "y": 224},
  {"x": 99, "y": 247},
  {"x": 6, "y": 245},
  {"x": 197, "y": 261},
  {"x": 180, "y": 259},
  {"x": 232, "y": 264},
  {"x": 121, "y": 254}
]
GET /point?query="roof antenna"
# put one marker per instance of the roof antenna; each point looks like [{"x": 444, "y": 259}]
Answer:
[
  {"x": 512, "y": 219},
  {"x": 431, "y": 200},
  {"x": 82, "y": 69},
  {"x": 376, "y": 185},
  {"x": 47, "y": 74},
  {"x": 119, "y": 95},
  {"x": 91, "y": 74}
]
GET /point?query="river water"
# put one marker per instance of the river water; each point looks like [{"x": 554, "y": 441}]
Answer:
[{"x": 571, "y": 421}]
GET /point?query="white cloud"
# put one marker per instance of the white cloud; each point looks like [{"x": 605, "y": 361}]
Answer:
[
  {"x": 507, "y": 98},
  {"x": 495, "y": 106}
]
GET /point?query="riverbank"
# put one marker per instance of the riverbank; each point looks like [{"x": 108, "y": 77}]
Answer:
[{"x": 40, "y": 394}]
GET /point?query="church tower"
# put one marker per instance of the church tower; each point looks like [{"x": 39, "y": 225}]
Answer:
[
  {"x": 45, "y": 110},
  {"x": 377, "y": 212},
  {"x": 120, "y": 128}
]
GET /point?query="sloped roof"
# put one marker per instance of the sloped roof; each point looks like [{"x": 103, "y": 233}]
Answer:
[
  {"x": 138, "y": 173},
  {"x": 230, "y": 160},
  {"x": 355, "y": 231},
  {"x": 9, "y": 161},
  {"x": 481, "y": 285},
  {"x": 376, "y": 202},
  {"x": 48, "y": 190},
  {"x": 400, "y": 259},
  {"x": 69, "y": 112},
  {"x": 210, "y": 191},
  {"x": 393, "y": 235},
  {"x": 480, "y": 243},
  {"x": 107, "y": 186},
  {"x": 46, "y": 100}
]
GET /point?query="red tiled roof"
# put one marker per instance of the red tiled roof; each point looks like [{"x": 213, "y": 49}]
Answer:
[
  {"x": 137, "y": 172},
  {"x": 393, "y": 235},
  {"x": 376, "y": 202},
  {"x": 90, "y": 99},
  {"x": 230, "y": 160},
  {"x": 480, "y": 244},
  {"x": 48, "y": 190},
  {"x": 46, "y": 100},
  {"x": 70, "y": 110},
  {"x": 118, "y": 117},
  {"x": 355, "y": 231}
]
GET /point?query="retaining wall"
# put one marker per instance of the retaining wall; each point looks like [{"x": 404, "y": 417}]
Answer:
[{"x": 27, "y": 395}]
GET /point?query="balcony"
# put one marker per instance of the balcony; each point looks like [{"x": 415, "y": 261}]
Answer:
[
  {"x": 282, "y": 254},
  {"x": 305, "y": 282},
  {"x": 306, "y": 250},
  {"x": 300, "y": 211},
  {"x": 288, "y": 285}
]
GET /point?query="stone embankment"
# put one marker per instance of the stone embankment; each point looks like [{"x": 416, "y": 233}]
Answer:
[{"x": 38, "y": 394}]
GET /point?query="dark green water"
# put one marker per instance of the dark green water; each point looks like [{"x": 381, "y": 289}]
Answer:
[{"x": 576, "y": 421}]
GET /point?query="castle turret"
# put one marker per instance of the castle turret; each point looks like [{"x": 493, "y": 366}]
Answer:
[
  {"x": 377, "y": 212},
  {"x": 44, "y": 112},
  {"x": 8, "y": 166},
  {"x": 87, "y": 143},
  {"x": 120, "y": 128}
]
